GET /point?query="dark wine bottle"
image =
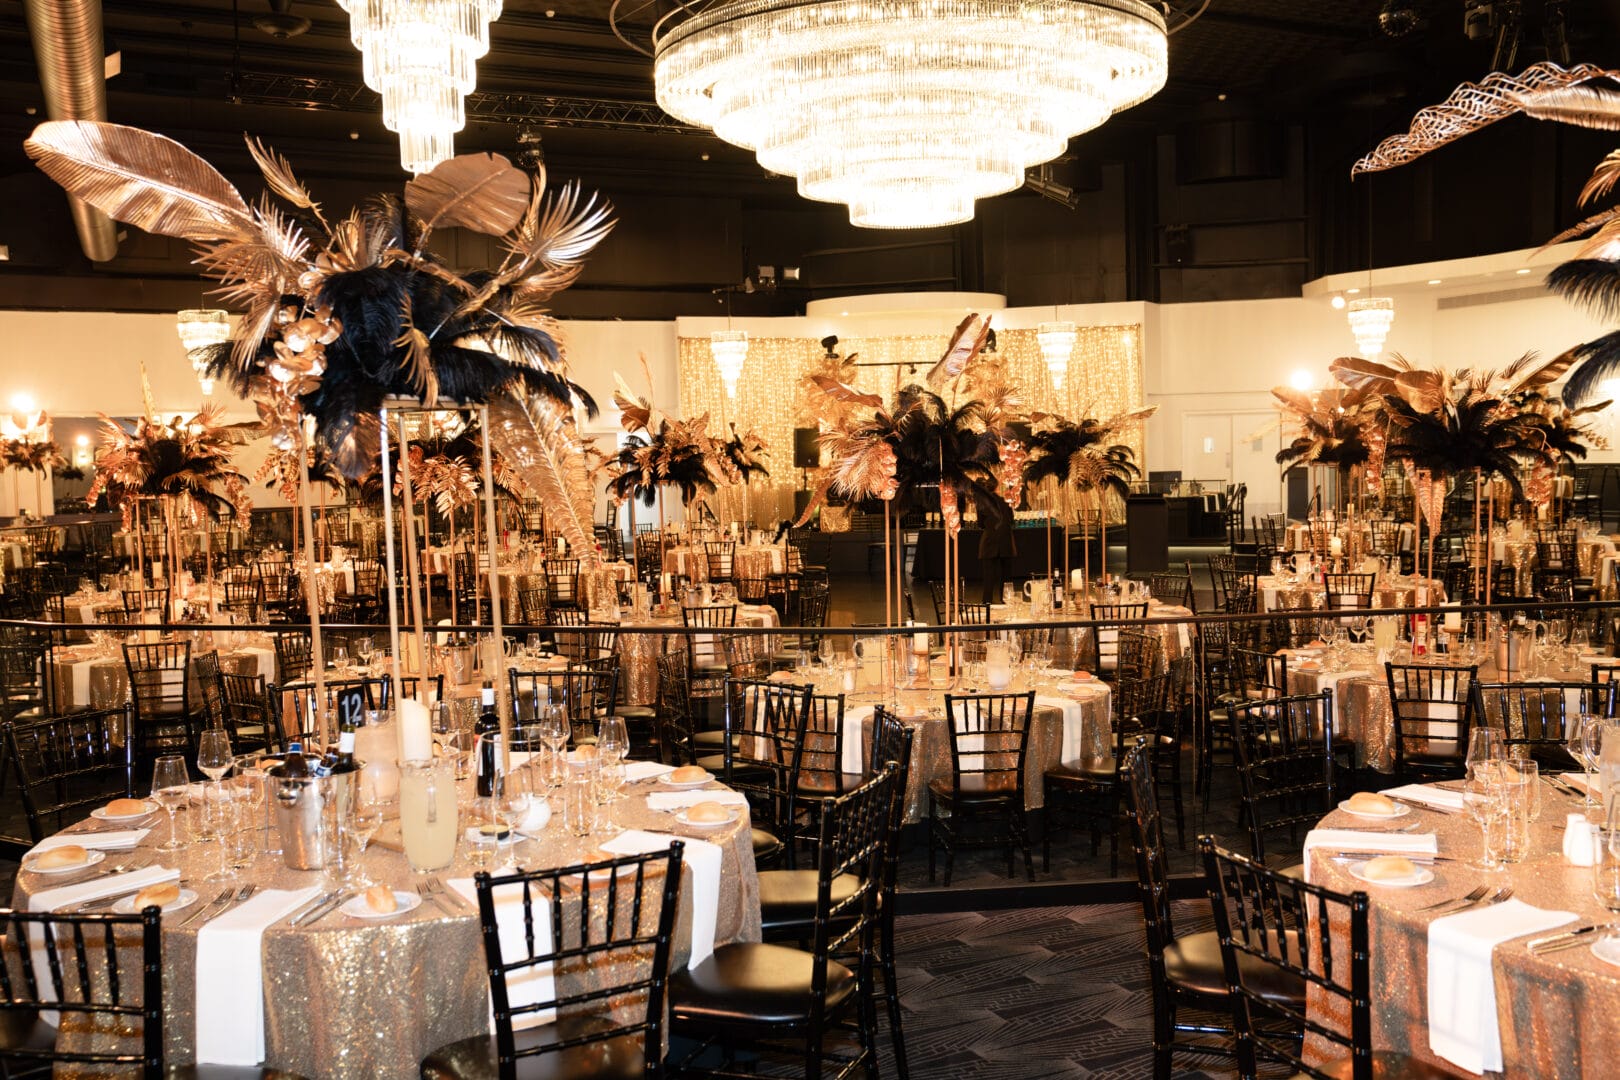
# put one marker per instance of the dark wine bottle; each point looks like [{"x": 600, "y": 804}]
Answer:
[{"x": 486, "y": 730}]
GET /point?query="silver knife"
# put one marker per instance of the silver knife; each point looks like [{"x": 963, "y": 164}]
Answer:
[
  {"x": 221, "y": 899},
  {"x": 1568, "y": 939},
  {"x": 321, "y": 911},
  {"x": 1415, "y": 856},
  {"x": 309, "y": 906},
  {"x": 231, "y": 901},
  {"x": 105, "y": 901},
  {"x": 454, "y": 895},
  {"x": 1419, "y": 804}
]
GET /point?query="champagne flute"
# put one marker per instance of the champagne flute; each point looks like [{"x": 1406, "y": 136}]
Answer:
[{"x": 169, "y": 783}]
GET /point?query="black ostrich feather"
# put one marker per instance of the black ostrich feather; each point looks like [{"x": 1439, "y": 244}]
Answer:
[
  {"x": 1591, "y": 283},
  {"x": 1595, "y": 361},
  {"x": 1078, "y": 454},
  {"x": 636, "y": 479},
  {"x": 1475, "y": 432},
  {"x": 1338, "y": 443}
]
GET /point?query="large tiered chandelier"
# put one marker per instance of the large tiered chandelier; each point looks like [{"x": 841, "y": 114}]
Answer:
[
  {"x": 1370, "y": 320},
  {"x": 199, "y": 328},
  {"x": 422, "y": 57},
  {"x": 729, "y": 349},
  {"x": 1056, "y": 340},
  {"x": 907, "y": 110}
]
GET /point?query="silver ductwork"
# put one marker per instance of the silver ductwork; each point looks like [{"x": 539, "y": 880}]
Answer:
[{"x": 72, "y": 74}]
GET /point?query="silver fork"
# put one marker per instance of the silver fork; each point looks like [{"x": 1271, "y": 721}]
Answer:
[
  {"x": 1494, "y": 898},
  {"x": 1471, "y": 897},
  {"x": 434, "y": 886},
  {"x": 223, "y": 898}
]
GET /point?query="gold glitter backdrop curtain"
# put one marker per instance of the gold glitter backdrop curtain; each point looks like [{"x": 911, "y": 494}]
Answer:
[{"x": 1104, "y": 378}]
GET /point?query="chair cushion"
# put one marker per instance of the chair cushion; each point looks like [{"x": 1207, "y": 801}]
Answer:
[
  {"x": 474, "y": 1058},
  {"x": 766, "y": 845},
  {"x": 1194, "y": 963},
  {"x": 1103, "y": 772},
  {"x": 787, "y": 898},
  {"x": 714, "y": 737},
  {"x": 22, "y": 1029},
  {"x": 637, "y": 712},
  {"x": 979, "y": 788},
  {"x": 1387, "y": 1065},
  {"x": 749, "y": 986},
  {"x": 821, "y": 783}
]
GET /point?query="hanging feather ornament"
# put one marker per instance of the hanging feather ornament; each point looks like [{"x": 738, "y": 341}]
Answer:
[
  {"x": 342, "y": 317},
  {"x": 539, "y": 440}
]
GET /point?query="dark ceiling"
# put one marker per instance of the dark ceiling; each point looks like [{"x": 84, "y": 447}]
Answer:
[{"x": 201, "y": 71}]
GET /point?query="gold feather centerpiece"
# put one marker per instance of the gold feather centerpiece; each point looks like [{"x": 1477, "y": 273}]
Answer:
[{"x": 343, "y": 315}]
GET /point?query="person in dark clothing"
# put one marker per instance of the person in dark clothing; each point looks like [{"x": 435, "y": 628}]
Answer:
[{"x": 996, "y": 549}]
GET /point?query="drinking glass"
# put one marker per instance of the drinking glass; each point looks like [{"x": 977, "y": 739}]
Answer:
[
  {"x": 828, "y": 651},
  {"x": 612, "y": 740},
  {"x": 215, "y": 810},
  {"x": 514, "y": 798},
  {"x": 1585, "y": 744},
  {"x": 256, "y": 793},
  {"x": 244, "y": 820},
  {"x": 609, "y": 785},
  {"x": 579, "y": 797},
  {"x": 1606, "y": 868},
  {"x": 366, "y": 808},
  {"x": 339, "y": 658},
  {"x": 1526, "y": 769},
  {"x": 1484, "y": 746},
  {"x": 364, "y": 649},
  {"x": 214, "y": 753},
  {"x": 555, "y": 730},
  {"x": 169, "y": 783},
  {"x": 1484, "y": 800}
]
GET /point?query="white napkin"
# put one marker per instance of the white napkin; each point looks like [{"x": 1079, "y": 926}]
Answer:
[
  {"x": 669, "y": 801},
  {"x": 645, "y": 770},
  {"x": 854, "y": 723},
  {"x": 230, "y": 976},
  {"x": 81, "y": 682},
  {"x": 704, "y": 859},
  {"x": 1442, "y": 798},
  {"x": 1074, "y": 741},
  {"x": 1462, "y": 991},
  {"x": 534, "y": 984},
  {"x": 120, "y": 840},
  {"x": 1363, "y": 840},
  {"x": 97, "y": 888}
]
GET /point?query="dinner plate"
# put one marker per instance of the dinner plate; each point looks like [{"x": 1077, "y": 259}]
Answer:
[
  {"x": 126, "y": 906},
  {"x": 1401, "y": 810},
  {"x": 1607, "y": 949},
  {"x": 356, "y": 908},
  {"x": 1422, "y": 875},
  {"x": 100, "y": 813},
  {"x": 667, "y": 782},
  {"x": 684, "y": 820},
  {"x": 95, "y": 856}
]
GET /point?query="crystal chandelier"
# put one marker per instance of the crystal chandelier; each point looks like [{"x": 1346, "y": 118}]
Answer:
[
  {"x": 730, "y": 349},
  {"x": 1370, "y": 319},
  {"x": 1056, "y": 340},
  {"x": 422, "y": 57},
  {"x": 907, "y": 110},
  {"x": 198, "y": 328}
]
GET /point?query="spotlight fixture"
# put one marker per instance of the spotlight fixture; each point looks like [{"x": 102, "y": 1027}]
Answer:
[
  {"x": 1397, "y": 18},
  {"x": 830, "y": 343},
  {"x": 1040, "y": 181},
  {"x": 530, "y": 155}
]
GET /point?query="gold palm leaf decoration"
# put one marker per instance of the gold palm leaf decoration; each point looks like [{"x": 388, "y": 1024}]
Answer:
[
  {"x": 342, "y": 317},
  {"x": 186, "y": 459},
  {"x": 539, "y": 442}
]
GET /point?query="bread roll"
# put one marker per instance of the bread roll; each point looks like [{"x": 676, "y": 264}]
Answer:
[
  {"x": 381, "y": 899},
  {"x": 584, "y": 753},
  {"x": 126, "y": 807},
  {"x": 1370, "y": 802},
  {"x": 157, "y": 895},
  {"x": 1389, "y": 868},
  {"x": 1082, "y": 676},
  {"x": 708, "y": 813},
  {"x": 688, "y": 774},
  {"x": 494, "y": 831},
  {"x": 57, "y": 858}
]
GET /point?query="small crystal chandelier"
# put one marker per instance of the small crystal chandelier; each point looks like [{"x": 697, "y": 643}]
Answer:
[
  {"x": 1056, "y": 340},
  {"x": 907, "y": 110},
  {"x": 199, "y": 328},
  {"x": 422, "y": 57},
  {"x": 730, "y": 349},
  {"x": 1370, "y": 319}
]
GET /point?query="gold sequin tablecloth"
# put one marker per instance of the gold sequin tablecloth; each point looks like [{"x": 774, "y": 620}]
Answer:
[
  {"x": 747, "y": 560},
  {"x": 598, "y": 587},
  {"x": 1280, "y": 594},
  {"x": 639, "y": 652},
  {"x": 1559, "y": 1014},
  {"x": 347, "y": 999}
]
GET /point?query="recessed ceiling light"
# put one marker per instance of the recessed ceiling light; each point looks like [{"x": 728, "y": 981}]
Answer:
[
  {"x": 31, "y": 111},
  {"x": 705, "y": 157},
  {"x": 551, "y": 13},
  {"x": 354, "y": 134},
  {"x": 1220, "y": 97},
  {"x": 1352, "y": 292},
  {"x": 1434, "y": 281},
  {"x": 1524, "y": 271}
]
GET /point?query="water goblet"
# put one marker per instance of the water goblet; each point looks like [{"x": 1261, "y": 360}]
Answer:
[
  {"x": 1484, "y": 800},
  {"x": 366, "y": 810},
  {"x": 514, "y": 798},
  {"x": 1484, "y": 746},
  {"x": 169, "y": 787},
  {"x": 338, "y": 656},
  {"x": 214, "y": 756},
  {"x": 612, "y": 739}
]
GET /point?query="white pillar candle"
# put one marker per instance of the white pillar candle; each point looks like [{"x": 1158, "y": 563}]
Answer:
[
  {"x": 1077, "y": 580},
  {"x": 415, "y": 731},
  {"x": 1335, "y": 547},
  {"x": 919, "y": 641}
]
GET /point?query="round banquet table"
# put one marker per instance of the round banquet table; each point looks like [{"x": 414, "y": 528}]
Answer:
[
  {"x": 598, "y": 586},
  {"x": 1060, "y": 702},
  {"x": 1361, "y": 694},
  {"x": 1295, "y": 595},
  {"x": 747, "y": 560},
  {"x": 352, "y": 999},
  {"x": 85, "y": 678},
  {"x": 639, "y": 652},
  {"x": 1559, "y": 1013},
  {"x": 1071, "y": 646}
]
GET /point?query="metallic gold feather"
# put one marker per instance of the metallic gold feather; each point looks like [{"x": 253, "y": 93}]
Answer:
[
  {"x": 538, "y": 439},
  {"x": 143, "y": 179},
  {"x": 966, "y": 341},
  {"x": 482, "y": 192},
  {"x": 277, "y": 173}
]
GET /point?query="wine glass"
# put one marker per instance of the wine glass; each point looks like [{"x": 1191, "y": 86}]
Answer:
[
  {"x": 555, "y": 730},
  {"x": 609, "y": 782},
  {"x": 514, "y": 798},
  {"x": 255, "y": 792},
  {"x": 214, "y": 756},
  {"x": 339, "y": 657},
  {"x": 366, "y": 807},
  {"x": 1484, "y": 800},
  {"x": 1484, "y": 747},
  {"x": 1591, "y": 744},
  {"x": 612, "y": 739},
  {"x": 169, "y": 783},
  {"x": 828, "y": 651},
  {"x": 364, "y": 649}
]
